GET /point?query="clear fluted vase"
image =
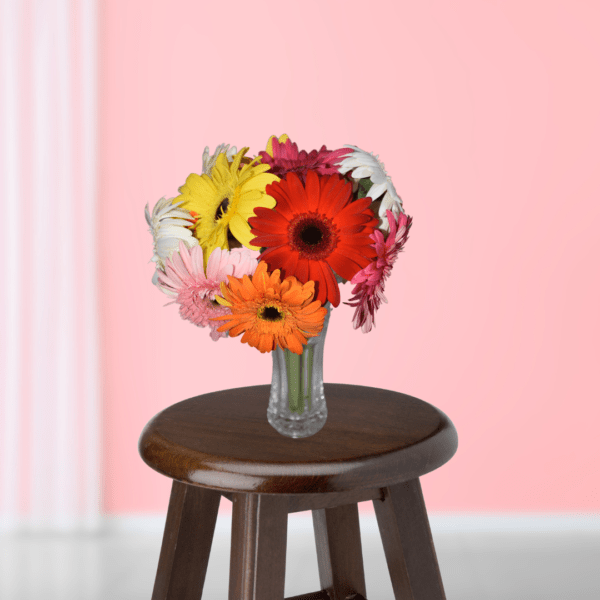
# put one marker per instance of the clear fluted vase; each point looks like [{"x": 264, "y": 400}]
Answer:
[{"x": 297, "y": 406}]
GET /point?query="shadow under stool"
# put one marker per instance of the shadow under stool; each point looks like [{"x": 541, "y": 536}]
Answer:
[{"x": 374, "y": 446}]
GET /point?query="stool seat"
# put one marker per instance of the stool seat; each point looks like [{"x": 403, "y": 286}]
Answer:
[
  {"x": 372, "y": 438},
  {"x": 374, "y": 447}
]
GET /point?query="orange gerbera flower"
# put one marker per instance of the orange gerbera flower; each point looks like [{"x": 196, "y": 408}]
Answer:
[
  {"x": 315, "y": 230},
  {"x": 271, "y": 312}
]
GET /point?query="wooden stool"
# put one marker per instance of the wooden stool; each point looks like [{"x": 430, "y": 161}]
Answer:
[{"x": 374, "y": 446}]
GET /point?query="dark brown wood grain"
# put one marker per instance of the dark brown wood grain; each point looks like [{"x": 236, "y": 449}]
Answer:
[
  {"x": 187, "y": 540},
  {"x": 302, "y": 502},
  {"x": 320, "y": 595},
  {"x": 339, "y": 551},
  {"x": 375, "y": 445},
  {"x": 258, "y": 547},
  {"x": 407, "y": 542},
  {"x": 373, "y": 438}
]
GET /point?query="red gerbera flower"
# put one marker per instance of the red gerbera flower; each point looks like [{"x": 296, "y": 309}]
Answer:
[
  {"x": 370, "y": 282},
  {"x": 286, "y": 159},
  {"x": 315, "y": 231}
]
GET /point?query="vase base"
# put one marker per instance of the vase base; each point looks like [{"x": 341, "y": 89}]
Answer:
[{"x": 297, "y": 427}]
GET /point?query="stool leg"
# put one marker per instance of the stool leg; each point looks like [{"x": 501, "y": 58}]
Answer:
[
  {"x": 339, "y": 551},
  {"x": 407, "y": 542},
  {"x": 186, "y": 543},
  {"x": 258, "y": 547}
]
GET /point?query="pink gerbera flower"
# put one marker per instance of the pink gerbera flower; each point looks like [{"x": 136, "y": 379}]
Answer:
[
  {"x": 370, "y": 282},
  {"x": 194, "y": 291},
  {"x": 286, "y": 159}
]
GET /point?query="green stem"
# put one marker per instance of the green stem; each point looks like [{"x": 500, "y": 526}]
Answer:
[
  {"x": 299, "y": 369},
  {"x": 307, "y": 369},
  {"x": 293, "y": 363}
]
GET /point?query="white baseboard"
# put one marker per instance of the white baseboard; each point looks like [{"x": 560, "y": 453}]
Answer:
[{"x": 440, "y": 522}]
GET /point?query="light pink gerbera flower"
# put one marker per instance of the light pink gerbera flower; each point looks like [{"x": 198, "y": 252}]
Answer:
[
  {"x": 194, "y": 291},
  {"x": 287, "y": 159},
  {"x": 370, "y": 282}
]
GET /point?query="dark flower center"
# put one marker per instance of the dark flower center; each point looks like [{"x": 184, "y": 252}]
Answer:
[
  {"x": 231, "y": 241},
  {"x": 222, "y": 208},
  {"x": 270, "y": 313},
  {"x": 312, "y": 235}
]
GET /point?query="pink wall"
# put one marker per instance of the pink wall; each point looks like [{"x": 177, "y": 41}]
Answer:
[{"x": 486, "y": 116}]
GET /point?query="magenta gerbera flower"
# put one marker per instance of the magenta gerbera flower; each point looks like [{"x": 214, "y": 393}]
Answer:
[
  {"x": 287, "y": 159},
  {"x": 194, "y": 291},
  {"x": 370, "y": 282}
]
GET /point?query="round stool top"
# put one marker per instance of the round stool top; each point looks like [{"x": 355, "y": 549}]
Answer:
[{"x": 372, "y": 438}]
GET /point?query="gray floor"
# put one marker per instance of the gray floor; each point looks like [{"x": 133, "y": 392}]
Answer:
[{"x": 559, "y": 565}]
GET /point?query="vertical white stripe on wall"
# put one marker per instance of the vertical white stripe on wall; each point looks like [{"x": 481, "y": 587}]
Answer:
[
  {"x": 63, "y": 469},
  {"x": 64, "y": 483},
  {"x": 44, "y": 267},
  {"x": 92, "y": 479},
  {"x": 11, "y": 228}
]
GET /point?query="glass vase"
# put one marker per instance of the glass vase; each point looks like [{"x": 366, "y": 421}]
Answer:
[{"x": 297, "y": 406}]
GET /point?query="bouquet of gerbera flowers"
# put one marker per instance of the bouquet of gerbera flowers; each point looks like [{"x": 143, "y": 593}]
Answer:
[{"x": 258, "y": 246}]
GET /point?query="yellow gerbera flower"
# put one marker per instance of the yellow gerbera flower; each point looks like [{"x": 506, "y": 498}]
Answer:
[{"x": 225, "y": 200}]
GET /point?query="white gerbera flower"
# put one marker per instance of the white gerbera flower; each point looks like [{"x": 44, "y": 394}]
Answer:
[
  {"x": 208, "y": 161},
  {"x": 366, "y": 164},
  {"x": 168, "y": 225}
]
